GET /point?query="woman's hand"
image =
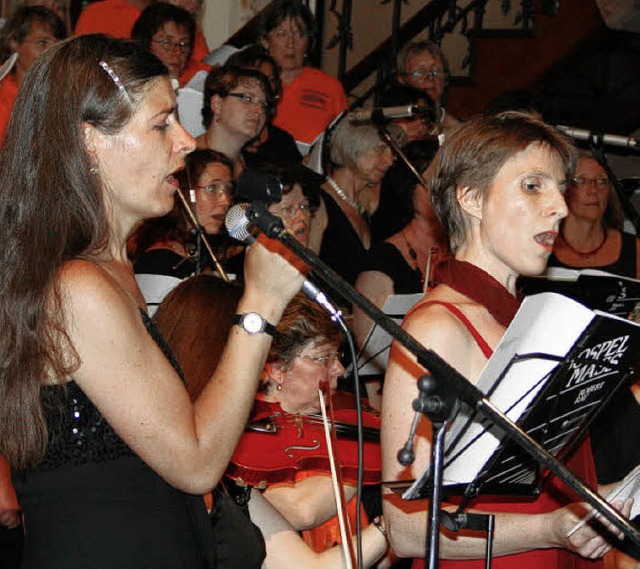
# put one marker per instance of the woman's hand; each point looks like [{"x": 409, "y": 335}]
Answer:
[
  {"x": 590, "y": 540},
  {"x": 10, "y": 519},
  {"x": 270, "y": 273}
]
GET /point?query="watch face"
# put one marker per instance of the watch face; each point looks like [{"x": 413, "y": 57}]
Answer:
[{"x": 252, "y": 323}]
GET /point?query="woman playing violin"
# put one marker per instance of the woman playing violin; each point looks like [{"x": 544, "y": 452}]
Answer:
[{"x": 192, "y": 336}]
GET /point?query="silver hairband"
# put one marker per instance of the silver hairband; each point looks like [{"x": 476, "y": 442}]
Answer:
[{"x": 114, "y": 77}]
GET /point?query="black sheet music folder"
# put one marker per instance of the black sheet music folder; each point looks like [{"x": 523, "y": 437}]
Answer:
[{"x": 555, "y": 368}]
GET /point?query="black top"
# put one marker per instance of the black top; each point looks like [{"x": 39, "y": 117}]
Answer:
[
  {"x": 386, "y": 258},
  {"x": 341, "y": 247},
  {"x": 625, "y": 264},
  {"x": 91, "y": 502},
  {"x": 615, "y": 452},
  {"x": 165, "y": 262},
  {"x": 279, "y": 149}
]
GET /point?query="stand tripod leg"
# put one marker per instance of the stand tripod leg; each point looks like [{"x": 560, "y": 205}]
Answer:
[{"x": 433, "y": 522}]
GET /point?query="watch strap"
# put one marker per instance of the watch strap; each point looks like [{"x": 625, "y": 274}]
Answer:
[{"x": 267, "y": 327}]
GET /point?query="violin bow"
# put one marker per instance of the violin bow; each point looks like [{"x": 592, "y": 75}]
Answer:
[{"x": 338, "y": 486}]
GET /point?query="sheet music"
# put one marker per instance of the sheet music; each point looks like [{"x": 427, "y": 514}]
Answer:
[
  {"x": 190, "y": 100},
  {"x": 374, "y": 353},
  {"x": 599, "y": 290},
  {"x": 546, "y": 323},
  {"x": 557, "y": 363}
]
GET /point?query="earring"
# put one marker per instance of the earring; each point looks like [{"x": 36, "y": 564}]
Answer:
[
  {"x": 279, "y": 387},
  {"x": 94, "y": 170}
]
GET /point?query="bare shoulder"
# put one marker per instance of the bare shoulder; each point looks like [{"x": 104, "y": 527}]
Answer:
[
  {"x": 435, "y": 324},
  {"x": 83, "y": 280},
  {"x": 92, "y": 298}
]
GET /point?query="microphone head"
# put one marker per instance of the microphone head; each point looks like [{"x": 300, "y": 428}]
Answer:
[
  {"x": 237, "y": 223},
  {"x": 259, "y": 186}
]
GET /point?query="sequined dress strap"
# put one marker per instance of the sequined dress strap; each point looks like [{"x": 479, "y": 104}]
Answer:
[{"x": 78, "y": 433}]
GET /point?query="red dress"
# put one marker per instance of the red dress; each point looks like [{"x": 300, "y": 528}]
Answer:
[{"x": 554, "y": 495}]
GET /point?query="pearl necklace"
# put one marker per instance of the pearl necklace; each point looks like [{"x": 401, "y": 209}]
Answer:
[{"x": 344, "y": 197}]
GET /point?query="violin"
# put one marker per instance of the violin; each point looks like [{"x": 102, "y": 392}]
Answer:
[{"x": 276, "y": 447}]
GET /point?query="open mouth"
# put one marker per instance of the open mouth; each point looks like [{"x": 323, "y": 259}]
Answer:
[
  {"x": 546, "y": 239},
  {"x": 172, "y": 179}
]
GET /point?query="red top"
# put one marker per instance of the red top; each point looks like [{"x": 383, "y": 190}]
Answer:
[
  {"x": 309, "y": 103},
  {"x": 8, "y": 94},
  {"x": 554, "y": 495}
]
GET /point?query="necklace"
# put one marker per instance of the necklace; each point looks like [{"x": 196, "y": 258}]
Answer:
[
  {"x": 585, "y": 254},
  {"x": 412, "y": 251},
  {"x": 344, "y": 197}
]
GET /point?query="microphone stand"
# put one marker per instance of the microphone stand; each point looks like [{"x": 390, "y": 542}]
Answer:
[
  {"x": 385, "y": 135},
  {"x": 447, "y": 378},
  {"x": 201, "y": 237}
]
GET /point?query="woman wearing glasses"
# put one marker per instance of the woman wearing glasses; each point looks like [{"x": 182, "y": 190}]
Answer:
[
  {"x": 237, "y": 102},
  {"x": 168, "y": 244},
  {"x": 304, "y": 357},
  {"x": 311, "y": 99},
  {"x": 169, "y": 33},
  {"x": 25, "y": 35},
  {"x": 591, "y": 234},
  {"x": 423, "y": 65}
]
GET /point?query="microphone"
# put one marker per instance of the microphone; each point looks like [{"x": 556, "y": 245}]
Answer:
[
  {"x": 378, "y": 114},
  {"x": 597, "y": 137},
  {"x": 237, "y": 223},
  {"x": 259, "y": 186},
  {"x": 240, "y": 228}
]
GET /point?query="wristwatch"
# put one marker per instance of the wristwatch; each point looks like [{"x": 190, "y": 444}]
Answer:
[{"x": 253, "y": 323}]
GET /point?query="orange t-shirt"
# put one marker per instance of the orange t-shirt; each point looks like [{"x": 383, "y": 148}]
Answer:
[
  {"x": 200, "y": 47},
  {"x": 117, "y": 17},
  {"x": 112, "y": 17},
  {"x": 309, "y": 103},
  {"x": 8, "y": 500},
  {"x": 8, "y": 94}
]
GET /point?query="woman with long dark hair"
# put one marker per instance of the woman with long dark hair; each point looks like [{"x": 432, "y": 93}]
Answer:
[{"x": 109, "y": 453}]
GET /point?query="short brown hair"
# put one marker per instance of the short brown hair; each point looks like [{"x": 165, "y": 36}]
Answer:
[
  {"x": 222, "y": 80},
  {"x": 473, "y": 153},
  {"x": 302, "y": 322}
]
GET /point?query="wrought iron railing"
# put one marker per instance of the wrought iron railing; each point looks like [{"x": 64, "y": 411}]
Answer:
[{"x": 438, "y": 17}]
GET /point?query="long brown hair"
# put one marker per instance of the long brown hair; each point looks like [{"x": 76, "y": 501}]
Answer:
[{"x": 52, "y": 210}]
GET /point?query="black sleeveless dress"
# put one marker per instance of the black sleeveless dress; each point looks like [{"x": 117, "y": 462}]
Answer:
[{"x": 92, "y": 502}]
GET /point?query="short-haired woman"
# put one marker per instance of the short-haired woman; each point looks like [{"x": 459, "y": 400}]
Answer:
[
  {"x": 237, "y": 102},
  {"x": 351, "y": 195},
  {"x": 25, "y": 35},
  {"x": 497, "y": 186}
]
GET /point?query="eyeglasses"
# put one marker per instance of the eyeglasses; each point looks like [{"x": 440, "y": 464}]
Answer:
[
  {"x": 583, "y": 182},
  {"x": 283, "y": 35},
  {"x": 290, "y": 211},
  {"x": 44, "y": 43},
  {"x": 218, "y": 190},
  {"x": 249, "y": 99},
  {"x": 422, "y": 74},
  {"x": 326, "y": 360},
  {"x": 169, "y": 46}
]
